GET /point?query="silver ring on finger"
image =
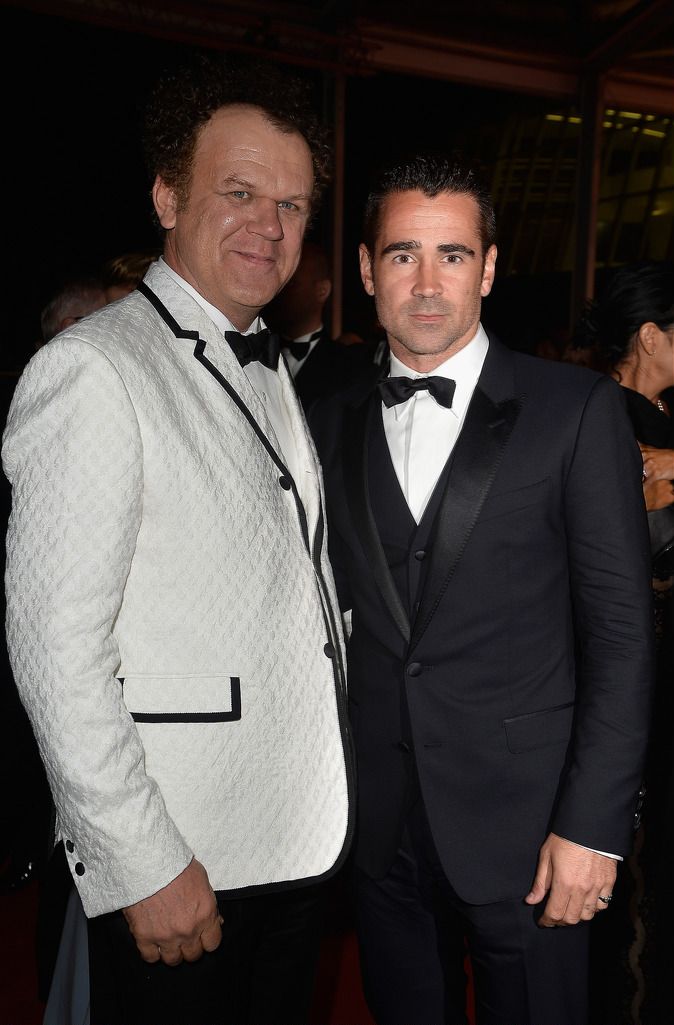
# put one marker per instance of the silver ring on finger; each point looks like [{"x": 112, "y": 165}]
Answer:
[{"x": 605, "y": 900}]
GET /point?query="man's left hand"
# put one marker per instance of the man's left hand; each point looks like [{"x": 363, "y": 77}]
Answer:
[{"x": 574, "y": 879}]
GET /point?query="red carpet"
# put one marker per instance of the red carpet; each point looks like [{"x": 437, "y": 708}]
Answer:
[
  {"x": 19, "y": 1004},
  {"x": 338, "y": 1001}
]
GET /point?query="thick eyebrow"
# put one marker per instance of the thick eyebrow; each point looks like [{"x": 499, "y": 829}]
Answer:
[
  {"x": 400, "y": 247},
  {"x": 456, "y": 247},
  {"x": 444, "y": 247}
]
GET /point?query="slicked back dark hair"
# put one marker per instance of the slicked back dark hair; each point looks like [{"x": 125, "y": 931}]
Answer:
[
  {"x": 185, "y": 99},
  {"x": 431, "y": 173},
  {"x": 639, "y": 293}
]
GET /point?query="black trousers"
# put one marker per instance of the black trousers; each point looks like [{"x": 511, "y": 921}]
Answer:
[
  {"x": 414, "y": 931},
  {"x": 261, "y": 974}
]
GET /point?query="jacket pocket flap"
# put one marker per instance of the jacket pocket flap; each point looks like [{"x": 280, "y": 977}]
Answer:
[
  {"x": 182, "y": 698},
  {"x": 499, "y": 503},
  {"x": 539, "y": 729}
]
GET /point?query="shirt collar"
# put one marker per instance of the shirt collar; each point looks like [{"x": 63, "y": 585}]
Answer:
[
  {"x": 464, "y": 367},
  {"x": 216, "y": 315},
  {"x": 310, "y": 336}
]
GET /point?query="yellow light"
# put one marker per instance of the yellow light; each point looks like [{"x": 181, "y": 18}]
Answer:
[
  {"x": 608, "y": 124},
  {"x": 575, "y": 120},
  {"x": 630, "y": 114},
  {"x": 554, "y": 117},
  {"x": 610, "y": 113},
  {"x": 653, "y": 132},
  {"x": 650, "y": 117}
]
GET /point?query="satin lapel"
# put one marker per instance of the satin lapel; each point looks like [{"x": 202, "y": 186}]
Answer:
[
  {"x": 477, "y": 455},
  {"x": 358, "y": 427}
]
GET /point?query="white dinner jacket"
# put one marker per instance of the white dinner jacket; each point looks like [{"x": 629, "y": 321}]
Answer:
[{"x": 172, "y": 621}]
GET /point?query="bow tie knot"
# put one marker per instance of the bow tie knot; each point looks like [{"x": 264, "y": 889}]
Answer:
[
  {"x": 299, "y": 349},
  {"x": 261, "y": 347},
  {"x": 394, "y": 390}
]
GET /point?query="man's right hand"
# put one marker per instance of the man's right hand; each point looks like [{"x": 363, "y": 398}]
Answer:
[{"x": 179, "y": 922}]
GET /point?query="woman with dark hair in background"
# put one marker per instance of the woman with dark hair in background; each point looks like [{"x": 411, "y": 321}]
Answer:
[{"x": 631, "y": 328}]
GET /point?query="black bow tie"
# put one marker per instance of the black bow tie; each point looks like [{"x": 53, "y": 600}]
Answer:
[
  {"x": 399, "y": 389},
  {"x": 299, "y": 349},
  {"x": 263, "y": 347}
]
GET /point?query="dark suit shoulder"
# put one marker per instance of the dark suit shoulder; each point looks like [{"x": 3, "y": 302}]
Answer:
[
  {"x": 564, "y": 385},
  {"x": 554, "y": 374}
]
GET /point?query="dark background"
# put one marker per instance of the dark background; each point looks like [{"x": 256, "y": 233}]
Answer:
[{"x": 78, "y": 193}]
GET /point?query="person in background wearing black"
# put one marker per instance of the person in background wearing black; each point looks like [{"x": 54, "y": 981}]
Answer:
[
  {"x": 319, "y": 364},
  {"x": 631, "y": 328}
]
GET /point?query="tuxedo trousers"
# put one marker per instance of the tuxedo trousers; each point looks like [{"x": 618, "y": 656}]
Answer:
[
  {"x": 414, "y": 932},
  {"x": 261, "y": 974}
]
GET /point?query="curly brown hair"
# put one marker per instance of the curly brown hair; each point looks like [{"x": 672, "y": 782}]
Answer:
[{"x": 183, "y": 101}]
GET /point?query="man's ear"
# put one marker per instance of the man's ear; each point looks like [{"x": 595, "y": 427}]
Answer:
[
  {"x": 488, "y": 271},
  {"x": 323, "y": 290},
  {"x": 366, "y": 272},
  {"x": 165, "y": 203}
]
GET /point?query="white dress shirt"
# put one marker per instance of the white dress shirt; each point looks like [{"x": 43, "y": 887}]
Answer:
[
  {"x": 421, "y": 433},
  {"x": 265, "y": 382}
]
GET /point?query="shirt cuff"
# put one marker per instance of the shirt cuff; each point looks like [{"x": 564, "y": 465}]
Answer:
[{"x": 605, "y": 854}]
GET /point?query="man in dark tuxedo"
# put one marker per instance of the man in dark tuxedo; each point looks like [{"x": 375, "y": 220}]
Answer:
[
  {"x": 319, "y": 364},
  {"x": 488, "y": 535}
]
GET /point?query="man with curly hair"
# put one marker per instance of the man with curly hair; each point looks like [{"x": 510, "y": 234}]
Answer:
[{"x": 172, "y": 619}]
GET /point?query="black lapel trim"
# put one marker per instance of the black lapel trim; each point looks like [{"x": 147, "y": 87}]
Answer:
[
  {"x": 356, "y": 447},
  {"x": 476, "y": 458},
  {"x": 328, "y": 611},
  {"x": 199, "y": 354},
  {"x": 331, "y": 627}
]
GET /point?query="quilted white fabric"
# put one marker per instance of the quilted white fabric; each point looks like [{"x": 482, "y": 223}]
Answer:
[{"x": 151, "y": 541}]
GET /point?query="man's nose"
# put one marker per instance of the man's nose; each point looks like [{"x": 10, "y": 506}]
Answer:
[
  {"x": 265, "y": 220},
  {"x": 427, "y": 282}
]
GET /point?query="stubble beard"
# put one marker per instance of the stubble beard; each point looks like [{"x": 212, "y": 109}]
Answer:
[{"x": 426, "y": 341}]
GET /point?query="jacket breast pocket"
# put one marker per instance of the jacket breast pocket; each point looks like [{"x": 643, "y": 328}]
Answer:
[
  {"x": 186, "y": 699},
  {"x": 498, "y": 504},
  {"x": 539, "y": 729}
]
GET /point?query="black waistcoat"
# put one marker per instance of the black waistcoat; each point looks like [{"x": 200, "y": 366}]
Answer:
[
  {"x": 406, "y": 544},
  {"x": 406, "y": 547}
]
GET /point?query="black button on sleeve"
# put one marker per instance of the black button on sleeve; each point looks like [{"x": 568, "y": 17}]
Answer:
[
  {"x": 329, "y": 650},
  {"x": 285, "y": 482},
  {"x": 70, "y": 846},
  {"x": 414, "y": 669},
  {"x": 420, "y": 555},
  {"x": 79, "y": 868}
]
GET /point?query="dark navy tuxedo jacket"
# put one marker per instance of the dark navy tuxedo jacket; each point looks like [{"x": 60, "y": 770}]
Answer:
[{"x": 501, "y": 654}]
